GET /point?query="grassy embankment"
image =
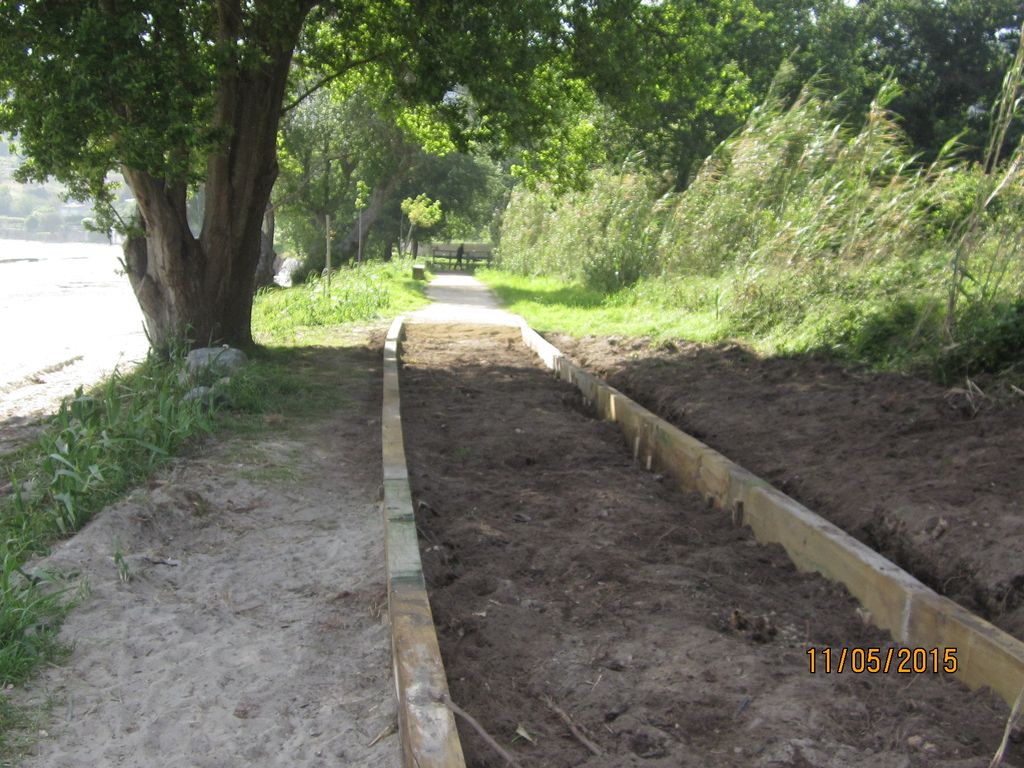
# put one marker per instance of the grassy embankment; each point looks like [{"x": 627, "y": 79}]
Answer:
[
  {"x": 305, "y": 313},
  {"x": 798, "y": 235},
  {"x": 104, "y": 442}
]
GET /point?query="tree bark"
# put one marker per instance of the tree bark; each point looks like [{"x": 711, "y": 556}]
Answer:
[
  {"x": 374, "y": 207},
  {"x": 268, "y": 258},
  {"x": 199, "y": 290}
]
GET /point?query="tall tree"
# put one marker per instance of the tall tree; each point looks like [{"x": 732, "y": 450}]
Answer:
[
  {"x": 169, "y": 93},
  {"x": 174, "y": 93},
  {"x": 333, "y": 144},
  {"x": 684, "y": 88},
  {"x": 948, "y": 56}
]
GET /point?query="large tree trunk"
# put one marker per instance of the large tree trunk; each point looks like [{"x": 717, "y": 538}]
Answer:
[{"x": 200, "y": 289}]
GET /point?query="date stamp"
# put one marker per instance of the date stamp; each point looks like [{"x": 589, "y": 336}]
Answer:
[{"x": 872, "y": 661}]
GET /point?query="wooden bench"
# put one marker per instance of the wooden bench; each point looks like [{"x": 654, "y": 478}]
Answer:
[{"x": 471, "y": 254}]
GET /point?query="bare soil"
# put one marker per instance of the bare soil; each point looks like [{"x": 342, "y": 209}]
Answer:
[
  {"x": 558, "y": 568},
  {"x": 251, "y": 628},
  {"x": 901, "y": 463}
]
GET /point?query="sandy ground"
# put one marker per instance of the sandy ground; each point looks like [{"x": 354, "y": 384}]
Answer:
[
  {"x": 251, "y": 631},
  {"x": 559, "y": 570}
]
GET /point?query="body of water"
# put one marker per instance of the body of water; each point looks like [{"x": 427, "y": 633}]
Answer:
[{"x": 63, "y": 305}]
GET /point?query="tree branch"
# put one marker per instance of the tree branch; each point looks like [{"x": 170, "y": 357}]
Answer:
[
  {"x": 564, "y": 716},
  {"x": 328, "y": 79}
]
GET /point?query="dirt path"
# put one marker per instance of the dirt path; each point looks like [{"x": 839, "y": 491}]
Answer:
[
  {"x": 558, "y": 568},
  {"x": 251, "y": 631},
  {"x": 461, "y": 298},
  {"x": 896, "y": 461}
]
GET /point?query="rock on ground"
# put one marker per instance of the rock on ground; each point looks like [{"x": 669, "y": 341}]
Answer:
[{"x": 219, "y": 361}]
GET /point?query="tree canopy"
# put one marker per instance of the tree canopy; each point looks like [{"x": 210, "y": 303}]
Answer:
[
  {"x": 948, "y": 57},
  {"x": 177, "y": 93},
  {"x": 174, "y": 95}
]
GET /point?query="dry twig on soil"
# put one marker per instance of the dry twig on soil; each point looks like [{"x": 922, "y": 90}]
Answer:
[
  {"x": 572, "y": 727},
  {"x": 388, "y": 730},
  {"x": 507, "y": 756},
  {"x": 1011, "y": 723}
]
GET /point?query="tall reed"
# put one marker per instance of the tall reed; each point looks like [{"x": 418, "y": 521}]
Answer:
[
  {"x": 1000, "y": 248},
  {"x": 804, "y": 233}
]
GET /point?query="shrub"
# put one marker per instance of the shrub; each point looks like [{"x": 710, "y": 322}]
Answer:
[{"x": 801, "y": 233}]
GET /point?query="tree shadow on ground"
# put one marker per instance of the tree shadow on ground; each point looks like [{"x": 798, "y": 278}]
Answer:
[{"x": 569, "y": 296}]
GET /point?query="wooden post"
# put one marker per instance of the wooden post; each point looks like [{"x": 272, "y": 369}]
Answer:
[
  {"x": 327, "y": 258},
  {"x": 425, "y": 722}
]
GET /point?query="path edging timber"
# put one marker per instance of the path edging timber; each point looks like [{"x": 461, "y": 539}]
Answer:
[
  {"x": 426, "y": 725},
  {"x": 914, "y": 614}
]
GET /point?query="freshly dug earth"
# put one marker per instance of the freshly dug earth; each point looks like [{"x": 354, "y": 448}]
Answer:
[
  {"x": 249, "y": 630},
  {"x": 560, "y": 570},
  {"x": 901, "y": 463}
]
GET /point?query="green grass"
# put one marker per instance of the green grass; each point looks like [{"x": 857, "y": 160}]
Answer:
[
  {"x": 103, "y": 442},
  {"x": 99, "y": 444},
  {"x": 894, "y": 334},
  {"x": 799, "y": 234},
  {"x": 282, "y": 380},
  {"x": 18, "y": 726},
  {"x": 370, "y": 291},
  {"x": 549, "y": 304}
]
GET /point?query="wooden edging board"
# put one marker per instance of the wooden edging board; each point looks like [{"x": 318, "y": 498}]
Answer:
[
  {"x": 425, "y": 723},
  {"x": 915, "y": 615}
]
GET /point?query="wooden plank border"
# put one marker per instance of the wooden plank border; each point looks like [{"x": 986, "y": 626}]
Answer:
[
  {"x": 426, "y": 725},
  {"x": 894, "y": 600}
]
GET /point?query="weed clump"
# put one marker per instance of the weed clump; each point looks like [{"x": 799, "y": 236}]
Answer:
[{"x": 98, "y": 444}]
